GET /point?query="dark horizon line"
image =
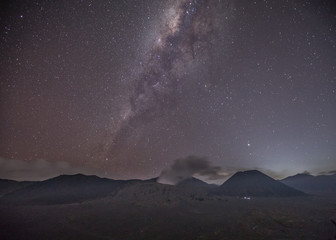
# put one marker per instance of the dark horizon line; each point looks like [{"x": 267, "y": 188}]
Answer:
[{"x": 155, "y": 178}]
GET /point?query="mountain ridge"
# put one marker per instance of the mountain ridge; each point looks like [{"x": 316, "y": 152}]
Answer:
[
  {"x": 257, "y": 184},
  {"x": 67, "y": 189},
  {"x": 318, "y": 185}
]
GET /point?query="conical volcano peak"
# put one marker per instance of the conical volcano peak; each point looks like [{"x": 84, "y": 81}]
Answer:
[{"x": 255, "y": 183}]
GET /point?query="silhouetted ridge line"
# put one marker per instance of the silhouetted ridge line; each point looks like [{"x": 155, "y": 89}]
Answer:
[
  {"x": 317, "y": 185},
  {"x": 257, "y": 184}
]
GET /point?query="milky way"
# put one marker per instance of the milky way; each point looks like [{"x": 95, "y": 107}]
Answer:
[
  {"x": 186, "y": 30},
  {"x": 123, "y": 88}
]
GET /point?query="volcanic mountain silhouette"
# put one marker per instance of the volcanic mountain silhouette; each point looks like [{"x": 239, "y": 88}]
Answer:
[
  {"x": 255, "y": 183},
  {"x": 7, "y": 186},
  {"x": 64, "y": 189},
  {"x": 320, "y": 185}
]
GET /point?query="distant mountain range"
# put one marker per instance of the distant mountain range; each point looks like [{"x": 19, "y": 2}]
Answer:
[
  {"x": 318, "y": 185},
  {"x": 7, "y": 186},
  {"x": 67, "y": 189},
  {"x": 63, "y": 189}
]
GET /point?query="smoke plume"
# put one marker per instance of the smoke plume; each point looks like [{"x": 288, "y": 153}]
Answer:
[{"x": 188, "y": 167}]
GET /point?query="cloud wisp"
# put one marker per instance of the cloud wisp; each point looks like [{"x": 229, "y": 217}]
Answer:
[
  {"x": 188, "y": 167},
  {"x": 36, "y": 170}
]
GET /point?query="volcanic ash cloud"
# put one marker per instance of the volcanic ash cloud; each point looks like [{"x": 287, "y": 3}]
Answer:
[{"x": 188, "y": 167}]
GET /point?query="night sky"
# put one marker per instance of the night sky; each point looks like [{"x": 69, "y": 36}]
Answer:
[{"x": 124, "y": 88}]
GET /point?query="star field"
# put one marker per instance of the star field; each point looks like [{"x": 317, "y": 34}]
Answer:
[{"x": 123, "y": 88}]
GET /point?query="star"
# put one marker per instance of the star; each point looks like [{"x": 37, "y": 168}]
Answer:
[{"x": 111, "y": 84}]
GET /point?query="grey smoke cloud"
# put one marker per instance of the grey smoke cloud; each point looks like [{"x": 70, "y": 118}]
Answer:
[
  {"x": 188, "y": 167},
  {"x": 327, "y": 172}
]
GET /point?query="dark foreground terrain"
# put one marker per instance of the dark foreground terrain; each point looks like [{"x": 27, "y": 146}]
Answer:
[
  {"x": 215, "y": 217},
  {"x": 249, "y": 205}
]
